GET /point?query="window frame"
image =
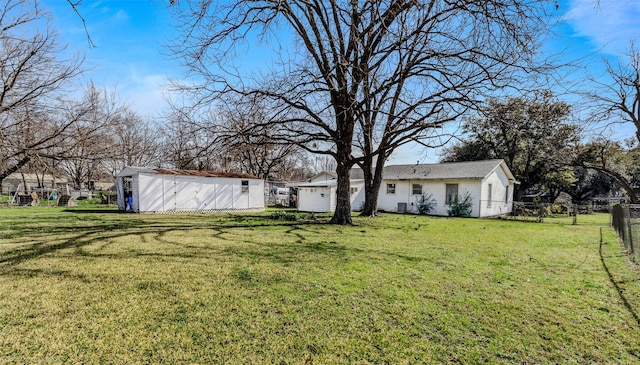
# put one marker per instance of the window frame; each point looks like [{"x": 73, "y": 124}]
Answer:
[
  {"x": 448, "y": 197},
  {"x": 506, "y": 194},
  {"x": 391, "y": 188},
  {"x": 413, "y": 189}
]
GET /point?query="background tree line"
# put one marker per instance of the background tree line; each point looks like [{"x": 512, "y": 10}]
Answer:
[
  {"x": 47, "y": 126},
  {"x": 365, "y": 79}
]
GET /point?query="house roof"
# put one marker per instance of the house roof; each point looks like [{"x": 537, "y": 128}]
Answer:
[
  {"x": 187, "y": 173},
  {"x": 319, "y": 184},
  {"x": 441, "y": 171},
  {"x": 325, "y": 174}
]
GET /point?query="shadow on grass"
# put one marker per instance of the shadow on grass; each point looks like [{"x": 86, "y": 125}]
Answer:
[
  {"x": 295, "y": 241},
  {"x": 620, "y": 291},
  {"x": 43, "y": 238},
  {"x": 94, "y": 211}
]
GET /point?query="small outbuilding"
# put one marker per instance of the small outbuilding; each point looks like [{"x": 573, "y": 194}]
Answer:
[
  {"x": 318, "y": 195},
  {"x": 146, "y": 190}
]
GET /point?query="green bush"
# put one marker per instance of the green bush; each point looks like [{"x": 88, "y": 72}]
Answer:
[
  {"x": 461, "y": 207},
  {"x": 559, "y": 209},
  {"x": 282, "y": 215},
  {"x": 425, "y": 203}
]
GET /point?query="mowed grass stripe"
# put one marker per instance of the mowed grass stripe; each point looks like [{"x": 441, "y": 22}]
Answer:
[{"x": 89, "y": 286}]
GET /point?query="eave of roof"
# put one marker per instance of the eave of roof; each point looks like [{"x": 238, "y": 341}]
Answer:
[{"x": 204, "y": 173}]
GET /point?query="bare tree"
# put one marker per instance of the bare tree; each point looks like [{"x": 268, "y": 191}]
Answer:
[
  {"x": 227, "y": 139},
  {"x": 617, "y": 99},
  {"x": 190, "y": 141},
  {"x": 134, "y": 141},
  {"x": 257, "y": 150},
  {"x": 88, "y": 141},
  {"x": 370, "y": 74},
  {"x": 32, "y": 78}
]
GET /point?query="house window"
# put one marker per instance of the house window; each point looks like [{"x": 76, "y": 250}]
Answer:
[
  {"x": 354, "y": 190},
  {"x": 245, "y": 186},
  {"x": 489, "y": 198},
  {"x": 451, "y": 193},
  {"x": 506, "y": 194},
  {"x": 416, "y": 189},
  {"x": 391, "y": 188}
]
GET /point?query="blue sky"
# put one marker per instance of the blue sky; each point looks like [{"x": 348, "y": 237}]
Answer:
[{"x": 129, "y": 54}]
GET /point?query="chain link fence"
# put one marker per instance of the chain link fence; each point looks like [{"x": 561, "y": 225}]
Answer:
[
  {"x": 625, "y": 219},
  {"x": 537, "y": 212}
]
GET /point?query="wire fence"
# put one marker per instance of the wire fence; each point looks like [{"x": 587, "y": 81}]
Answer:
[
  {"x": 529, "y": 211},
  {"x": 625, "y": 219}
]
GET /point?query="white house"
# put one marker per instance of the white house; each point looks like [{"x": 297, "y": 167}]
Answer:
[
  {"x": 145, "y": 190},
  {"x": 318, "y": 195},
  {"x": 489, "y": 183}
]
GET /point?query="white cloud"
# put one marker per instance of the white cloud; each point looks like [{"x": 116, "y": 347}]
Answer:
[
  {"x": 144, "y": 93},
  {"x": 121, "y": 16},
  {"x": 608, "y": 24}
]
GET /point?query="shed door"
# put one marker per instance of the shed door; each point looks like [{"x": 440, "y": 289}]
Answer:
[{"x": 186, "y": 191}]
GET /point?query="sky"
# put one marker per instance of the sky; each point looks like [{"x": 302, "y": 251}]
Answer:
[{"x": 130, "y": 57}]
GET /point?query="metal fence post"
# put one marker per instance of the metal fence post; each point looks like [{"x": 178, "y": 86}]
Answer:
[{"x": 631, "y": 248}]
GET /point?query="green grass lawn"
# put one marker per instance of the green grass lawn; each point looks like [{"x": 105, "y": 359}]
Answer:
[{"x": 92, "y": 286}]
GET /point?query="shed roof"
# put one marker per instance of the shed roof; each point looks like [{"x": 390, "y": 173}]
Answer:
[
  {"x": 320, "y": 184},
  {"x": 204, "y": 173},
  {"x": 146, "y": 170}
]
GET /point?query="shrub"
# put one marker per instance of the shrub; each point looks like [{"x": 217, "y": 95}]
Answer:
[
  {"x": 425, "y": 203},
  {"x": 559, "y": 209},
  {"x": 461, "y": 207},
  {"x": 282, "y": 215}
]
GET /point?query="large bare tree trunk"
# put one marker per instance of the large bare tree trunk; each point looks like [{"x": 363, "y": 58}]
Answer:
[
  {"x": 372, "y": 182},
  {"x": 342, "y": 214}
]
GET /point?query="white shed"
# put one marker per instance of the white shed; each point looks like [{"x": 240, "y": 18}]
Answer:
[
  {"x": 319, "y": 196},
  {"x": 146, "y": 190}
]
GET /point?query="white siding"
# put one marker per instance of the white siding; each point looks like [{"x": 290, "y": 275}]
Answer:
[
  {"x": 357, "y": 197},
  {"x": 404, "y": 194},
  {"x": 149, "y": 193},
  {"x": 167, "y": 193},
  {"x": 186, "y": 191},
  {"x": 256, "y": 194},
  {"x": 389, "y": 202},
  {"x": 169, "y": 202},
  {"x": 223, "y": 196},
  {"x": 499, "y": 183},
  {"x": 315, "y": 199}
]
